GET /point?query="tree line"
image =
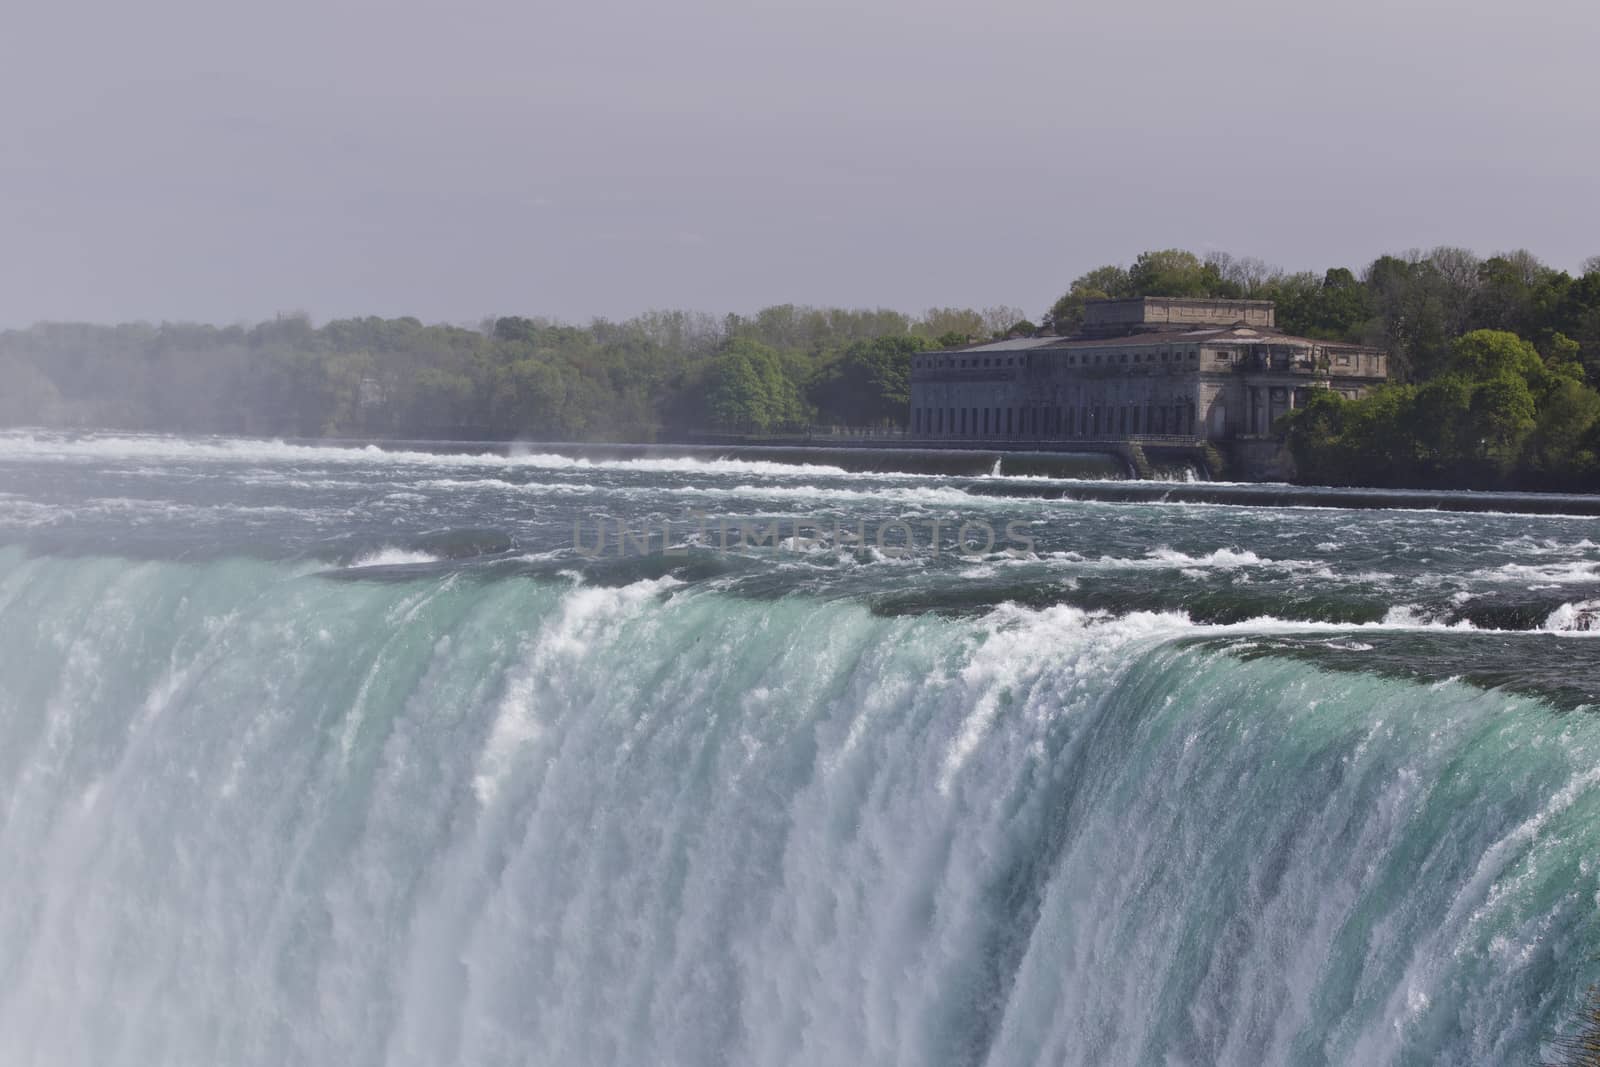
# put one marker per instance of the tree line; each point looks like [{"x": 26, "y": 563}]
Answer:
[
  {"x": 1493, "y": 359},
  {"x": 783, "y": 369}
]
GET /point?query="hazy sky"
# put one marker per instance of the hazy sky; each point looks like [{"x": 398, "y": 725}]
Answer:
[{"x": 205, "y": 159}]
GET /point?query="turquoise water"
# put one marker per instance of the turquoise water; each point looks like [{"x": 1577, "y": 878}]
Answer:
[{"x": 384, "y": 773}]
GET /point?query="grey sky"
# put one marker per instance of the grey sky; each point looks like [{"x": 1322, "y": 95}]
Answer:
[{"x": 200, "y": 159}]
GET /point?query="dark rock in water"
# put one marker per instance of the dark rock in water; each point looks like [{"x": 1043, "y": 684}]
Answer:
[
  {"x": 462, "y": 544},
  {"x": 1508, "y": 612}
]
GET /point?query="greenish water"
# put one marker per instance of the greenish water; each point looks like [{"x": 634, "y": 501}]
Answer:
[{"x": 334, "y": 756}]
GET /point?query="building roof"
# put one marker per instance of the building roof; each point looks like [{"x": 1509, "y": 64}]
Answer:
[
  {"x": 1180, "y": 301},
  {"x": 1012, "y": 344},
  {"x": 1232, "y": 335}
]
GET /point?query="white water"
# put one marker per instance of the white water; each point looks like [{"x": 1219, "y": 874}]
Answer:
[
  {"x": 98, "y": 447},
  {"x": 1583, "y": 616},
  {"x": 254, "y": 816}
]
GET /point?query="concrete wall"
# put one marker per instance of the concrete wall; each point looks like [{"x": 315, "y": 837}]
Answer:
[
  {"x": 1113, "y": 392},
  {"x": 1259, "y": 461},
  {"x": 1106, "y": 317},
  {"x": 1218, "y": 388}
]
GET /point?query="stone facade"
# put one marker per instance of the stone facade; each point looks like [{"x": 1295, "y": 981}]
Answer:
[
  {"x": 1202, "y": 370},
  {"x": 1152, "y": 314}
]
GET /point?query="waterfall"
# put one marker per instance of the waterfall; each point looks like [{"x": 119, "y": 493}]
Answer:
[{"x": 253, "y": 815}]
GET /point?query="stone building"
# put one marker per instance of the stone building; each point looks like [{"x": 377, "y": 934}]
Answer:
[{"x": 1155, "y": 367}]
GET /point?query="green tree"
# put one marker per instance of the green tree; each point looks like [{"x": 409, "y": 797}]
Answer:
[
  {"x": 962, "y": 322},
  {"x": 869, "y": 384},
  {"x": 1411, "y": 316},
  {"x": 1576, "y": 313},
  {"x": 1446, "y": 442},
  {"x": 1336, "y": 441},
  {"x": 1561, "y": 449},
  {"x": 1499, "y": 414},
  {"x": 1502, "y": 418},
  {"x": 1174, "y": 272},
  {"x": 1343, "y": 306},
  {"x": 747, "y": 391},
  {"x": 528, "y": 399},
  {"x": 1103, "y": 283}
]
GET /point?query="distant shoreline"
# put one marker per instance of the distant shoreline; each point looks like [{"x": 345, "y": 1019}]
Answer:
[{"x": 1042, "y": 474}]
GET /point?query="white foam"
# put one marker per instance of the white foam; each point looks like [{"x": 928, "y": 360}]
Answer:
[
  {"x": 103, "y": 447},
  {"x": 165, "y": 451},
  {"x": 1571, "y": 572},
  {"x": 1580, "y": 616},
  {"x": 1222, "y": 558},
  {"x": 589, "y": 615},
  {"x": 393, "y": 557}
]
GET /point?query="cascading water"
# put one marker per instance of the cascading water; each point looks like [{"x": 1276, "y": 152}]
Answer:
[{"x": 263, "y": 808}]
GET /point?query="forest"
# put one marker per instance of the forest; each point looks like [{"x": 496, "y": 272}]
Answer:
[
  {"x": 661, "y": 374},
  {"x": 1493, "y": 359}
]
